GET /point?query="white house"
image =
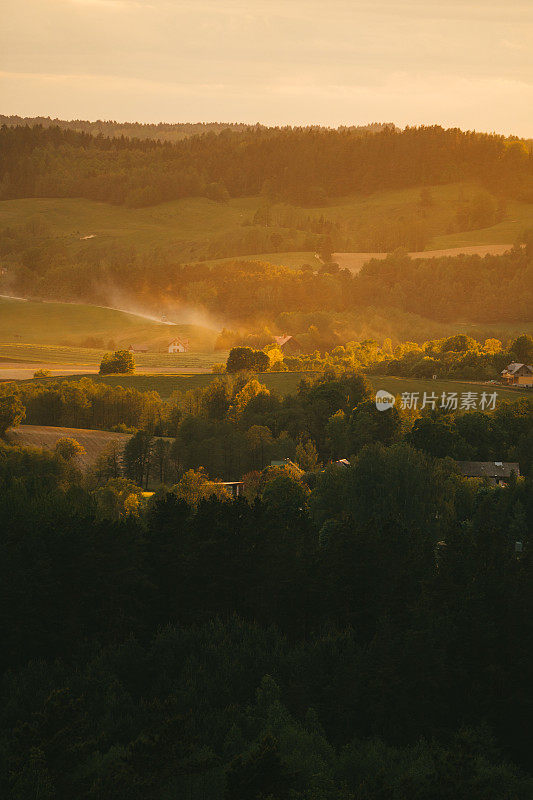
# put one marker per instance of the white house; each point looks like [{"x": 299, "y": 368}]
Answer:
[{"x": 178, "y": 346}]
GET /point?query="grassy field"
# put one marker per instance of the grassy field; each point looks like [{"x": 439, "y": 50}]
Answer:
[
  {"x": 94, "y": 442},
  {"x": 181, "y": 223},
  {"x": 20, "y": 361},
  {"x": 281, "y": 383},
  {"x": 398, "y": 385},
  {"x": 51, "y": 354},
  {"x": 284, "y": 383},
  {"x": 167, "y": 224},
  {"x": 519, "y": 217},
  {"x": 354, "y": 261},
  {"x": 70, "y": 324}
]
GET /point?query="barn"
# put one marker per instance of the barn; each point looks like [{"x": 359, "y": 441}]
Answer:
[{"x": 288, "y": 345}]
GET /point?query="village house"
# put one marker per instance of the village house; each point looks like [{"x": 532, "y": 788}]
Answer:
[
  {"x": 138, "y": 348},
  {"x": 288, "y": 345},
  {"x": 497, "y": 472},
  {"x": 282, "y": 462},
  {"x": 234, "y": 488},
  {"x": 178, "y": 346},
  {"x": 516, "y": 374}
]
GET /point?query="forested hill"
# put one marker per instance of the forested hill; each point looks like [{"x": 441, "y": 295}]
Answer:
[
  {"x": 160, "y": 131},
  {"x": 300, "y": 165}
]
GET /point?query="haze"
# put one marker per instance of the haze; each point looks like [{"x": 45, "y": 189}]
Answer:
[{"x": 466, "y": 64}]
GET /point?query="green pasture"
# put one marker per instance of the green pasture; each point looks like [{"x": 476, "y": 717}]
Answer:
[
  {"x": 519, "y": 217},
  {"x": 166, "y": 224},
  {"x": 182, "y": 223},
  {"x": 285, "y": 383},
  {"x": 84, "y": 357}
]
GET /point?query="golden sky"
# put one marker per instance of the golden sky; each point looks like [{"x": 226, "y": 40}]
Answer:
[{"x": 466, "y": 63}]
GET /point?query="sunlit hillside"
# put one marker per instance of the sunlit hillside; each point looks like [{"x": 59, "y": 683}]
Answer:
[
  {"x": 202, "y": 229},
  {"x": 75, "y": 325}
]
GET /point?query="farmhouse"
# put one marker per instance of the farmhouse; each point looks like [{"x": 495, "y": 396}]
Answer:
[
  {"x": 138, "y": 348},
  {"x": 178, "y": 346},
  {"x": 288, "y": 345},
  {"x": 516, "y": 374},
  {"x": 497, "y": 472}
]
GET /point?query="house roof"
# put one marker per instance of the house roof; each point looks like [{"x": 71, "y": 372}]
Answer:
[
  {"x": 281, "y": 340},
  {"x": 514, "y": 366},
  {"x": 184, "y": 342},
  {"x": 284, "y": 462},
  {"x": 488, "y": 469}
]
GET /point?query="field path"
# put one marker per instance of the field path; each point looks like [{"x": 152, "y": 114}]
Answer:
[{"x": 354, "y": 261}]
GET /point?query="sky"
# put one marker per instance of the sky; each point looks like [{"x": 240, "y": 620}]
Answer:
[{"x": 465, "y": 63}]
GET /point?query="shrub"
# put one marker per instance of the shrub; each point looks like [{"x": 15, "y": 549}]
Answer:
[
  {"x": 120, "y": 361},
  {"x": 245, "y": 358}
]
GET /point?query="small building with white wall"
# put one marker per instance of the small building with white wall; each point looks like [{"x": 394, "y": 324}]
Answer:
[{"x": 178, "y": 346}]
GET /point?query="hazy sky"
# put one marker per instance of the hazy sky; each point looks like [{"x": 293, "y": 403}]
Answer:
[{"x": 456, "y": 62}]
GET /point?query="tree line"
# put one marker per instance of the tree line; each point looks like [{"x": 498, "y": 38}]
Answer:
[
  {"x": 161, "y": 131},
  {"x": 457, "y": 357},
  {"x": 236, "y": 426}
]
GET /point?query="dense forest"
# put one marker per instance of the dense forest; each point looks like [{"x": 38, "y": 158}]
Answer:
[
  {"x": 347, "y": 633},
  {"x": 302, "y": 165}
]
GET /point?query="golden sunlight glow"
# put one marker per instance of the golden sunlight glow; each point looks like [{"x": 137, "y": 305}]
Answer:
[{"x": 466, "y": 64}]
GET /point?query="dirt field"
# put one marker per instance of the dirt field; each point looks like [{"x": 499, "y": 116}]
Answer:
[
  {"x": 94, "y": 442},
  {"x": 354, "y": 261}
]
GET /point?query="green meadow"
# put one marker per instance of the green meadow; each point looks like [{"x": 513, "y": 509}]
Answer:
[
  {"x": 182, "y": 223},
  {"x": 285, "y": 383},
  {"x": 519, "y": 217}
]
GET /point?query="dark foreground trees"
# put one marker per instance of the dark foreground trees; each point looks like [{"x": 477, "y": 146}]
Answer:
[
  {"x": 12, "y": 410},
  {"x": 368, "y": 639}
]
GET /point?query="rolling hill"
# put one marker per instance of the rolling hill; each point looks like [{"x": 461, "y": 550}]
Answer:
[
  {"x": 202, "y": 229},
  {"x": 71, "y": 325}
]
